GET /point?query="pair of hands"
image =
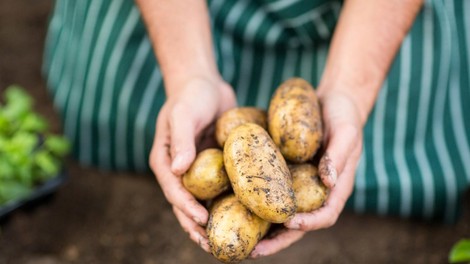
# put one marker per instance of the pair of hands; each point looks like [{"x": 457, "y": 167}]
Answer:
[{"x": 186, "y": 121}]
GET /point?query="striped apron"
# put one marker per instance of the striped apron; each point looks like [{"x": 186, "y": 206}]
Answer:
[{"x": 106, "y": 84}]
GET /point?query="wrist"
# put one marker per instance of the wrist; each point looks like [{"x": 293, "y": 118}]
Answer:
[
  {"x": 176, "y": 81},
  {"x": 361, "y": 93}
]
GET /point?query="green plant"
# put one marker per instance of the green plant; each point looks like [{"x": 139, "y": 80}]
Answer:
[
  {"x": 460, "y": 252},
  {"x": 29, "y": 154}
]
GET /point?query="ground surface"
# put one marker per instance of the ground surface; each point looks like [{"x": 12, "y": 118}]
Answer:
[{"x": 103, "y": 217}]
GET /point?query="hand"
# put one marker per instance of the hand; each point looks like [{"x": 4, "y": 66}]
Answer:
[
  {"x": 343, "y": 144},
  {"x": 185, "y": 119}
]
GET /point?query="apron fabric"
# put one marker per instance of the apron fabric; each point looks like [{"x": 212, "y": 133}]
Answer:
[{"x": 106, "y": 84}]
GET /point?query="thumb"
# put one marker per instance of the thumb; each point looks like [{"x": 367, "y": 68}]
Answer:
[
  {"x": 343, "y": 139},
  {"x": 183, "y": 136},
  {"x": 343, "y": 132}
]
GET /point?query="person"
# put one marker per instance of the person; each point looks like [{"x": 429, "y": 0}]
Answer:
[{"x": 392, "y": 76}]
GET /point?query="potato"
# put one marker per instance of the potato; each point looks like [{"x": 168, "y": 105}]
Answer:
[
  {"x": 235, "y": 117},
  {"x": 233, "y": 230},
  {"x": 206, "y": 178},
  {"x": 310, "y": 192},
  {"x": 259, "y": 174},
  {"x": 294, "y": 120}
]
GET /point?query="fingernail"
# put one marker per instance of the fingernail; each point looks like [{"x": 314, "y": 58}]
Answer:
[
  {"x": 293, "y": 225},
  {"x": 177, "y": 163},
  {"x": 197, "y": 237},
  {"x": 197, "y": 220},
  {"x": 200, "y": 238},
  {"x": 326, "y": 168},
  {"x": 255, "y": 254},
  {"x": 333, "y": 175}
]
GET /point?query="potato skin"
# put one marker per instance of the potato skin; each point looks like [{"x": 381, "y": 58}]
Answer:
[
  {"x": 234, "y": 117},
  {"x": 310, "y": 192},
  {"x": 259, "y": 174},
  {"x": 294, "y": 120},
  {"x": 206, "y": 178},
  {"x": 233, "y": 230}
]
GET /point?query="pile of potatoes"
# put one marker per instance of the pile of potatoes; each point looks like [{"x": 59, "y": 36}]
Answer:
[{"x": 267, "y": 161}]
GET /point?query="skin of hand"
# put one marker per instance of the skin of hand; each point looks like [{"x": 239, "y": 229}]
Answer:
[
  {"x": 182, "y": 121},
  {"x": 365, "y": 42}
]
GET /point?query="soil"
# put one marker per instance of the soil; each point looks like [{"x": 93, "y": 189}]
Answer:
[{"x": 108, "y": 217}]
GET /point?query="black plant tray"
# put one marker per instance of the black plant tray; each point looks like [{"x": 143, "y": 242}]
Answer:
[{"x": 37, "y": 195}]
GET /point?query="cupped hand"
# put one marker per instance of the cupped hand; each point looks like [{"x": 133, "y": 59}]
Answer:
[
  {"x": 343, "y": 146},
  {"x": 184, "y": 121}
]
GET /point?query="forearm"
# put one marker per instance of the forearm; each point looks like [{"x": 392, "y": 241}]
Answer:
[
  {"x": 366, "y": 40},
  {"x": 181, "y": 38}
]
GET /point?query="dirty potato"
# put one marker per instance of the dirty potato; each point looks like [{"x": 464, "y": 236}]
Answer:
[
  {"x": 294, "y": 120},
  {"x": 235, "y": 117},
  {"x": 310, "y": 192},
  {"x": 233, "y": 230},
  {"x": 259, "y": 174},
  {"x": 206, "y": 178}
]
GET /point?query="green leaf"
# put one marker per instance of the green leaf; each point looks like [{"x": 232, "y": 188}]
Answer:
[
  {"x": 6, "y": 169},
  {"x": 4, "y": 123},
  {"x": 16, "y": 94},
  {"x": 18, "y": 103},
  {"x": 3, "y": 142},
  {"x": 13, "y": 191},
  {"x": 21, "y": 143},
  {"x": 460, "y": 252},
  {"x": 25, "y": 173},
  {"x": 25, "y": 161},
  {"x": 47, "y": 164},
  {"x": 58, "y": 145},
  {"x": 33, "y": 122}
]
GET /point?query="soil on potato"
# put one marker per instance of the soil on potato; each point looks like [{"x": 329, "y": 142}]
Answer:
[{"x": 106, "y": 217}]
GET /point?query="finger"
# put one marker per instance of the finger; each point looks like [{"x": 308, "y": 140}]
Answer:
[
  {"x": 183, "y": 136},
  {"x": 272, "y": 245},
  {"x": 327, "y": 215},
  {"x": 342, "y": 139},
  {"x": 327, "y": 171},
  {"x": 171, "y": 184},
  {"x": 195, "y": 231}
]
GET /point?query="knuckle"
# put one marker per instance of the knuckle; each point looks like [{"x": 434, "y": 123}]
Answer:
[{"x": 303, "y": 225}]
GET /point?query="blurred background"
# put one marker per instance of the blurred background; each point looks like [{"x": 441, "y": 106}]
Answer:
[{"x": 107, "y": 217}]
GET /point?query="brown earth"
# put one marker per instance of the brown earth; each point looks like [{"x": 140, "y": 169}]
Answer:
[{"x": 105, "y": 217}]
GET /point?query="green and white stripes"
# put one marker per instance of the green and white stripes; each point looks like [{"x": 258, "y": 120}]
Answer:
[
  {"x": 416, "y": 157},
  {"x": 88, "y": 140},
  {"x": 424, "y": 104}
]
